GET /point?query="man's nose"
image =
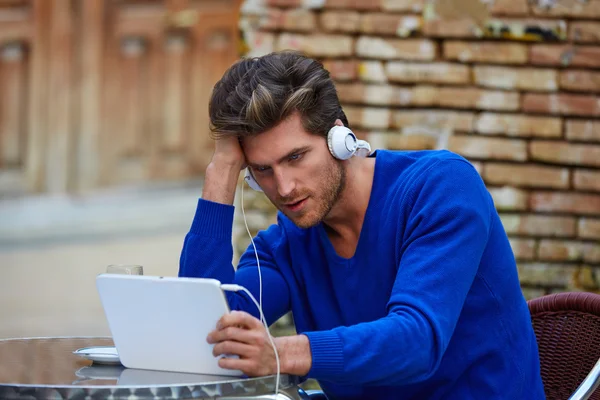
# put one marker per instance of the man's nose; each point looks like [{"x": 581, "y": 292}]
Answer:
[{"x": 285, "y": 183}]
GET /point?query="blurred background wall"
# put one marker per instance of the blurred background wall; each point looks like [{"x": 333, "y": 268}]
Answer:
[{"x": 104, "y": 126}]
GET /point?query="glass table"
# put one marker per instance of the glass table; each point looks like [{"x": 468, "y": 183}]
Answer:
[{"x": 46, "y": 368}]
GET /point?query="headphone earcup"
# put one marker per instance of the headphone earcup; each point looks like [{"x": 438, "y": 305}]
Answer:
[
  {"x": 342, "y": 142},
  {"x": 251, "y": 181}
]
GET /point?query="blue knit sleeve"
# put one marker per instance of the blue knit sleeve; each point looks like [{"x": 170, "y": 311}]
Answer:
[
  {"x": 444, "y": 237},
  {"x": 207, "y": 253}
]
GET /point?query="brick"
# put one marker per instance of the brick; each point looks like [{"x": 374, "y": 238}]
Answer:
[
  {"x": 565, "y": 153},
  {"x": 589, "y": 228},
  {"x": 342, "y": 70},
  {"x": 488, "y": 148},
  {"x": 477, "y": 98},
  {"x": 583, "y": 130},
  {"x": 510, "y": 7},
  {"x": 538, "y": 225},
  {"x": 403, "y": 5},
  {"x": 400, "y": 141},
  {"x": 523, "y": 249},
  {"x": 517, "y": 27},
  {"x": 564, "y": 55},
  {"x": 465, "y": 28},
  {"x": 555, "y": 250},
  {"x": 372, "y": 71},
  {"x": 340, "y": 21},
  {"x": 586, "y": 278},
  {"x": 354, "y": 4},
  {"x": 490, "y": 52},
  {"x": 570, "y": 8},
  {"x": 260, "y": 43},
  {"x": 534, "y": 79},
  {"x": 508, "y": 198},
  {"x": 318, "y": 45},
  {"x": 562, "y": 104},
  {"x": 449, "y": 28},
  {"x": 254, "y": 22},
  {"x": 361, "y": 93},
  {"x": 587, "y": 179},
  {"x": 299, "y": 20},
  {"x": 377, "y": 94},
  {"x": 580, "y": 80},
  {"x": 284, "y": 3},
  {"x": 398, "y": 71},
  {"x": 541, "y": 274},
  {"x": 390, "y": 49},
  {"x": 531, "y": 293},
  {"x": 433, "y": 120},
  {"x": 422, "y": 95},
  {"x": 576, "y": 203},
  {"x": 368, "y": 117},
  {"x": 271, "y": 20},
  {"x": 518, "y": 125},
  {"x": 560, "y": 250},
  {"x": 526, "y": 175},
  {"x": 584, "y": 32},
  {"x": 390, "y": 24},
  {"x": 591, "y": 252}
]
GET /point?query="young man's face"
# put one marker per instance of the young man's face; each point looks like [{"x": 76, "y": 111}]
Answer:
[{"x": 296, "y": 171}]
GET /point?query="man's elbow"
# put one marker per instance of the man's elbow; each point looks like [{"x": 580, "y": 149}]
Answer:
[{"x": 426, "y": 357}]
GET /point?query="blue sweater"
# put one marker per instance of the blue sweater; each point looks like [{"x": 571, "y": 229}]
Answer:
[{"x": 430, "y": 305}]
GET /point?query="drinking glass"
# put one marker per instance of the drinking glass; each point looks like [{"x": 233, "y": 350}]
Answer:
[{"x": 125, "y": 269}]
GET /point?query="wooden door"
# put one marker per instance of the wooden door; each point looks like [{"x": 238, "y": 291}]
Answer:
[
  {"x": 19, "y": 97},
  {"x": 108, "y": 92},
  {"x": 163, "y": 58}
]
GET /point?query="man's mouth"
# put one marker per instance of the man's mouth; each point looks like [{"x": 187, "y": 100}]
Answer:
[{"x": 296, "y": 206}]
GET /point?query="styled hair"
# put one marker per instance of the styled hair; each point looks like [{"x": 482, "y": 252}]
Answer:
[{"x": 256, "y": 94}]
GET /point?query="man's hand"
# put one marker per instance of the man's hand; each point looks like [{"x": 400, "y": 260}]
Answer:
[
  {"x": 239, "y": 333},
  {"x": 223, "y": 171},
  {"x": 228, "y": 152}
]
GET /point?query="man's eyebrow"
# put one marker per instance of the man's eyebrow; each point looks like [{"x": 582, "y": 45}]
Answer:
[{"x": 296, "y": 150}]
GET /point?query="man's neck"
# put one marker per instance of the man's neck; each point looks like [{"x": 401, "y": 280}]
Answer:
[{"x": 345, "y": 219}]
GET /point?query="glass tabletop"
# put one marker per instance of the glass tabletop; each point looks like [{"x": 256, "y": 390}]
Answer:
[{"x": 47, "y": 367}]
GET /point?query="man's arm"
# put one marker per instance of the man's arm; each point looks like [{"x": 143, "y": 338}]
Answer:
[
  {"x": 220, "y": 181},
  {"x": 207, "y": 250}
]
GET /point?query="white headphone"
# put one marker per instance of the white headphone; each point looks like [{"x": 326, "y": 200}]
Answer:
[{"x": 342, "y": 143}]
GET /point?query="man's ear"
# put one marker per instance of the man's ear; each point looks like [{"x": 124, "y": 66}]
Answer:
[{"x": 339, "y": 122}]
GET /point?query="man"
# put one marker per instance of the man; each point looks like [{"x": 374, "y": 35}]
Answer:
[{"x": 396, "y": 267}]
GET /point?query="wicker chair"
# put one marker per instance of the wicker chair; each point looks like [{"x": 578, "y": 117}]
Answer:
[{"x": 567, "y": 328}]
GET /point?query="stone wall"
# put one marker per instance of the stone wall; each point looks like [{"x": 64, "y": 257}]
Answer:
[{"x": 517, "y": 95}]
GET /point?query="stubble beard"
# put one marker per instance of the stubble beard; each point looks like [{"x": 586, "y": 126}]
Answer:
[{"x": 334, "y": 182}]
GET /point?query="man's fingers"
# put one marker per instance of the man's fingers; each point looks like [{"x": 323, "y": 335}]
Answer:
[
  {"x": 238, "y": 318},
  {"x": 230, "y": 333},
  {"x": 248, "y": 367},
  {"x": 242, "y": 350}
]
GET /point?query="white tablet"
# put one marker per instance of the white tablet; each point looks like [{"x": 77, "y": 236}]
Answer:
[{"x": 161, "y": 323}]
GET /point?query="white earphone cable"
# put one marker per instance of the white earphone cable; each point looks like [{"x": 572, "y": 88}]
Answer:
[
  {"x": 255, "y": 253},
  {"x": 258, "y": 304},
  {"x": 237, "y": 288}
]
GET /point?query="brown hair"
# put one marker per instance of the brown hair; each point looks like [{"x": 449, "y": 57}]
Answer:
[{"x": 255, "y": 94}]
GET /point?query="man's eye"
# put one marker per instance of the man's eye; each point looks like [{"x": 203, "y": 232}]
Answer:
[
  {"x": 295, "y": 157},
  {"x": 261, "y": 169}
]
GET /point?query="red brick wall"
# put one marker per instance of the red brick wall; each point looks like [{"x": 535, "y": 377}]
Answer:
[{"x": 526, "y": 112}]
